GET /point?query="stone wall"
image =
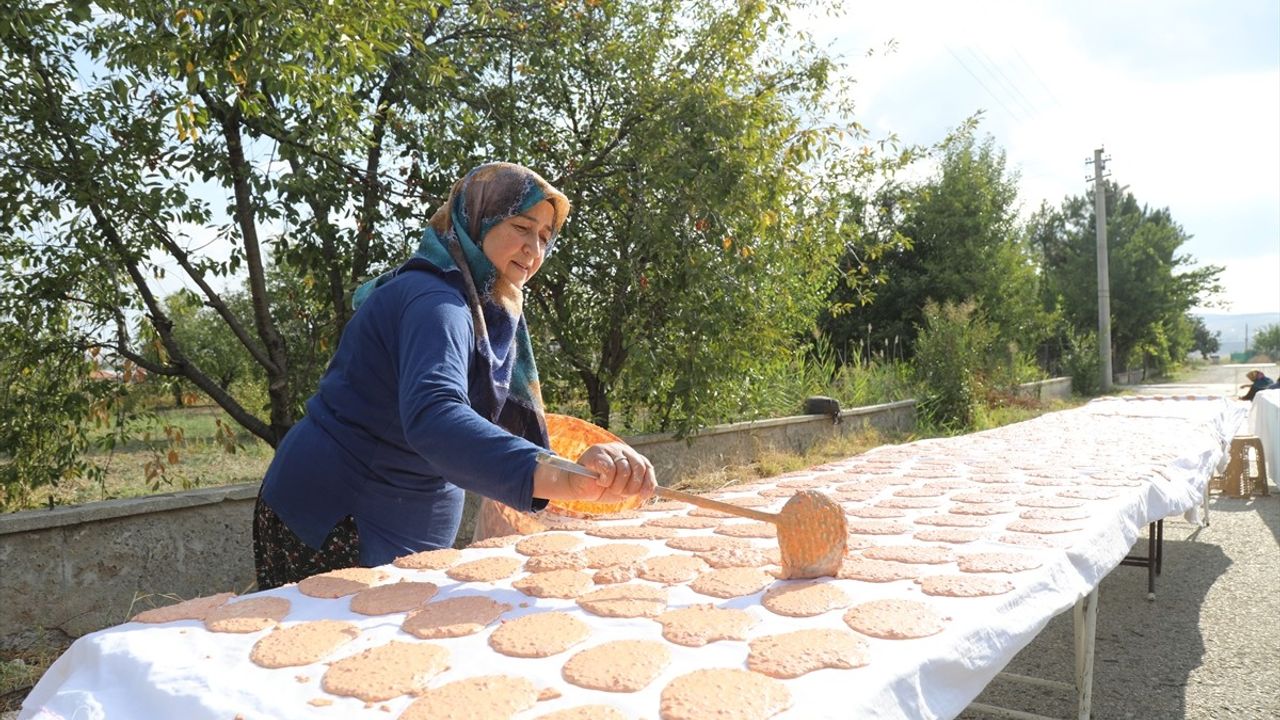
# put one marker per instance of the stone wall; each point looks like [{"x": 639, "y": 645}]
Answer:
[{"x": 76, "y": 569}]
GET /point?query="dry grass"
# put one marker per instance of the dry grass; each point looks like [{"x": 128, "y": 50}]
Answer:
[
  {"x": 20, "y": 670},
  {"x": 771, "y": 462}
]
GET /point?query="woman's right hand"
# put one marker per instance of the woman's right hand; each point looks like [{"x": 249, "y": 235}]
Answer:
[{"x": 621, "y": 472}]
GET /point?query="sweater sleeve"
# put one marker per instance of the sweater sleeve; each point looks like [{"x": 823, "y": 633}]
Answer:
[{"x": 435, "y": 347}]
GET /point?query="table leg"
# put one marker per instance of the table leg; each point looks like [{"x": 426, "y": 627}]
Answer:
[{"x": 1086, "y": 625}]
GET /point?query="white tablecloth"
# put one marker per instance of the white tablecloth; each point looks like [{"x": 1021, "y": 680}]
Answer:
[
  {"x": 1163, "y": 448},
  {"x": 1264, "y": 421}
]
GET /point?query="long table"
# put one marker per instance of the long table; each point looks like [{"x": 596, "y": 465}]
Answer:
[
  {"x": 1264, "y": 421},
  {"x": 1114, "y": 465}
]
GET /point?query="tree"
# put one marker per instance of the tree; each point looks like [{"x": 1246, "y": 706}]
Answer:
[
  {"x": 961, "y": 242},
  {"x": 113, "y": 120},
  {"x": 1152, "y": 286},
  {"x": 1267, "y": 341},
  {"x": 705, "y": 225},
  {"x": 1206, "y": 343}
]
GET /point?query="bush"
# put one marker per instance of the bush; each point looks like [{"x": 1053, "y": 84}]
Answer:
[
  {"x": 951, "y": 353},
  {"x": 1082, "y": 362}
]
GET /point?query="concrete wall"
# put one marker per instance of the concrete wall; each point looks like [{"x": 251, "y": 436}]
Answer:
[
  {"x": 76, "y": 569},
  {"x": 1129, "y": 377},
  {"x": 675, "y": 459},
  {"x": 1058, "y": 388}
]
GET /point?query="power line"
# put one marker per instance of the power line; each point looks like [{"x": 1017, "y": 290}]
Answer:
[
  {"x": 984, "y": 85},
  {"x": 1036, "y": 75},
  {"x": 1010, "y": 84}
]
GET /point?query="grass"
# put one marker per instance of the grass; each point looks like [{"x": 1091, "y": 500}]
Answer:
[
  {"x": 20, "y": 670},
  {"x": 189, "y": 456}
]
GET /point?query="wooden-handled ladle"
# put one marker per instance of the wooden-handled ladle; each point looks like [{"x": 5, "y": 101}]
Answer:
[{"x": 812, "y": 529}]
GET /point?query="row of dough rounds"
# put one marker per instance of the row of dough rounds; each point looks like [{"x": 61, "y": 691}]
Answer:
[
  {"x": 406, "y": 668},
  {"x": 400, "y": 668}
]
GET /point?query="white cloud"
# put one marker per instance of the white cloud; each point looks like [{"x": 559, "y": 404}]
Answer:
[{"x": 1186, "y": 98}]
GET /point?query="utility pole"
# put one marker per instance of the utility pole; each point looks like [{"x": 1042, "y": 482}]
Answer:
[{"x": 1104, "y": 282}]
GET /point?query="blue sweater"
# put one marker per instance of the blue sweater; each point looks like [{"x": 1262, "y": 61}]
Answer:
[{"x": 397, "y": 430}]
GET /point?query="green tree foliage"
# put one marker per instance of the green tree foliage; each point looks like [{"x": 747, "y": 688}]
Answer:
[
  {"x": 959, "y": 240},
  {"x": 1152, "y": 285},
  {"x": 1204, "y": 342},
  {"x": 685, "y": 132},
  {"x": 707, "y": 218},
  {"x": 41, "y": 386},
  {"x": 1267, "y": 341}
]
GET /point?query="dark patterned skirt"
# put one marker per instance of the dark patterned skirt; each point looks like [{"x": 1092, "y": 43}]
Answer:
[{"x": 282, "y": 558}]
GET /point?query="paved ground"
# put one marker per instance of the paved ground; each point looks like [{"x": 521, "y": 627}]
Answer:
[{"x": 1208, "y": 646}]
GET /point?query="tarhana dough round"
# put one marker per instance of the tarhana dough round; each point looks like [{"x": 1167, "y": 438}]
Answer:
[
  {"x": 804, "y": 599},
  {"x": 429, "y": 559},
  {"x": 387, "y": 671},
  {"x": 554, "y": 584},
  {"x": 684, "y": 522},
  {"x": 632, "y": 532},
  {"x": 453, "y": 617},
  {"x": 731, "y": 582},
  {"x": 302, "y": 644},
  {"x": 563, "y": 560},
  {"x": 748, "y": 529},
  {"x": 964, "y": 585},
  {"x": 792, "y": 654},
  {"x": 1044, "y": 527},
  {"x": 856, "y": 568},
  {"x": 392, "y": 598},
  {"x": 247, "y": 616},
  {"x": 585, "y": 712},
  {"x": 723, "y": 693},
  {"x": 697, "y": 625},
  {"x": 602, "y": 556},
  {"x": 918, "y": 554},
  {"x": 340, "y": 583},
  {"x": 617, "y": 666},
  {"x": 625, "y": 601},
  {"x": 490, "y": 569},
  {"x": 193, "y": 609},
  {"x": 487, "y": 697},
  {"x": 997, "y": 562},
  {"x": 894, "y": 619},
  {"x": 735, "y": 557},
  {"x": 538, "y": 635},
  {"x": 542, "y": 544},
  {"x": 706, "y": 543},
  {"x": 671, "y": 569}
]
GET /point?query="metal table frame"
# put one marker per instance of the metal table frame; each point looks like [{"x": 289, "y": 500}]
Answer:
[{"x": 1085, "y": 616}]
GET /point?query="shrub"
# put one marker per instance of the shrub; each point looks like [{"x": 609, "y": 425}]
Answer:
[
  {"x": 951, "y": 356},
  {"x": 1082, "y": 363}
]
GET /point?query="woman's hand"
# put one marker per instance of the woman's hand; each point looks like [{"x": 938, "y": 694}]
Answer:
[{"x": 622, "y": 471}]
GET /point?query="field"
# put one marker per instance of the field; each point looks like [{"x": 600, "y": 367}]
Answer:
[{"x": 189, "y": 456}]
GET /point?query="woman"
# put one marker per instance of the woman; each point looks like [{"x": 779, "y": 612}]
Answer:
[
  {"x": 1257, "y": 381},
  {"x": 432, "y": 390}
]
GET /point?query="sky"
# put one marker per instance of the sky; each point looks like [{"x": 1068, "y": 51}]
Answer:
[{"x": 1184, "y": 96}]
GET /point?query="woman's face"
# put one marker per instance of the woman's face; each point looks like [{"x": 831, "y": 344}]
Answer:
[{"x": 517, "y": 245}]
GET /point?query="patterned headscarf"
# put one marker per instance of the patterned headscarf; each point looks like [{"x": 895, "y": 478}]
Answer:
[{"x": 451, "y": 244}]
